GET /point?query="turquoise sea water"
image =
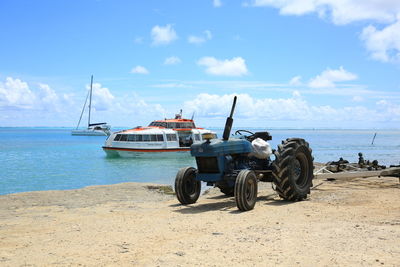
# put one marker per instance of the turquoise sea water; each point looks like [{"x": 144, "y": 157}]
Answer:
[{"x": 34, "y": 159}]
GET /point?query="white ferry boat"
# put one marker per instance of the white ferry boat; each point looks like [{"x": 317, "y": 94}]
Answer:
[{"x": 160, "y": 138}]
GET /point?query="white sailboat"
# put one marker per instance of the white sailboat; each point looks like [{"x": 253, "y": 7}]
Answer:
[{"x": 93, "y": 129}]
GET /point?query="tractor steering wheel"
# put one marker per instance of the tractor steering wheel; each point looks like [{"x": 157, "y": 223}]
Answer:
[{"x": 244, "y": 131}]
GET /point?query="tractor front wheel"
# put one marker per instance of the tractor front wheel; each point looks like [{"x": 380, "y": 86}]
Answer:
[
  {"x": 292, "y": 169},
  {"x": 246, "y": 190},
  {"x": 187, "y": 188}
]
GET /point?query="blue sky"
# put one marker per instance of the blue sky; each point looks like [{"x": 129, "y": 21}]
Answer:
[{"x": 310, "y": 63}]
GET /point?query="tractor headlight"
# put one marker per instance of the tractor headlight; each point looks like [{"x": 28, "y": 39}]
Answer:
[{"x": 208, "y": 136}]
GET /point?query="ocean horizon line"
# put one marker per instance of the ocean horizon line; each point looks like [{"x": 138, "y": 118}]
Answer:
[{"x": 216, "y": 127}]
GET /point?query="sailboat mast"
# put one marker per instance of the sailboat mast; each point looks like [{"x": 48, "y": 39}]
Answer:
[{"x": 90, "y": 99}]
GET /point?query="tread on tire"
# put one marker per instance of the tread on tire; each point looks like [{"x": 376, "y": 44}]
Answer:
[
  {"x": 246, "y": 190},
  {"x": 292, "y": 169},
  {"x": 187, "y": 188}
]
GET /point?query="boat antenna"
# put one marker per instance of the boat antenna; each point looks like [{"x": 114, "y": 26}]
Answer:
[
  {"x": 90, "y": 99},
  {"x": 83, "y": 109},
  {"x": 193, "y": 115}
]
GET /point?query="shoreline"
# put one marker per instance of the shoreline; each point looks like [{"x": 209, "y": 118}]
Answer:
[
  {"x": 356, "y": 222},
  {"x": 149, "y": 184},
  {"x": 92, "y": 195}
]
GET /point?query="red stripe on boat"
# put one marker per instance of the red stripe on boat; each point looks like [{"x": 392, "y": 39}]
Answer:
[{"x": 148, "y": 150}]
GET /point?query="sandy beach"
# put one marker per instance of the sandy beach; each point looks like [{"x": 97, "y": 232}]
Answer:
[{"x": 343, "y": 223}]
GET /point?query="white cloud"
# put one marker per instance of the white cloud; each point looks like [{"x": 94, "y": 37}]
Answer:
[
  {"x": 208, "y": 105},
  {"x": 296, "y": 81},
  {"x": 389, "y": 110},
  {"x": 133, "y": 110},
  {"x": 328, "y": 78},
  {"x": 163, "y": 35},
  {"x": 24, "y": 104},
  {"x": 357, "y": 98},
  {"x": 193, "y": 39},
  {"x": 384, "y": 44},
  {"x": 102, "y": 98},
  {"x": 48, "y": 97},
  {"x": 139, "y": 70},
  {"x": 347, "y": 90},
  {"x": 43, "y": 100},
  {"x": 288, "y": 109},
  {"x": 233, "y": 67},
  {"x": 296, "y": 94},
  {"x": 217, "y": 3},
  {"x": 382, "y": 103},
  {"x": 16, "y": 93},
  {"x": 172, "y": 60},
  {"x": 340, "y": 12}
]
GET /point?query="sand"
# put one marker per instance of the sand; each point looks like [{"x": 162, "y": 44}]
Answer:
[{"x": 342, "y": 223}]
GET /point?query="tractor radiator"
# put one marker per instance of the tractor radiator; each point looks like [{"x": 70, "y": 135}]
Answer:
[{"x": 207, "y": 164}]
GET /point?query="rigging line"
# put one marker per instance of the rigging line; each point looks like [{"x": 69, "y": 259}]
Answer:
[{"x": 83, "y": 109}]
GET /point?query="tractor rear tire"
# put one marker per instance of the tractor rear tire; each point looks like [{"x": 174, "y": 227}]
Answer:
[
  {"x": 246, "y": 190},
  {"x": 292, "y": 169},
  {"x": 187, "y": 188}
]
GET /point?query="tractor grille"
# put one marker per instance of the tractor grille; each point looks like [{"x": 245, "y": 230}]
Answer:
[{"x": 207, "y": 164}]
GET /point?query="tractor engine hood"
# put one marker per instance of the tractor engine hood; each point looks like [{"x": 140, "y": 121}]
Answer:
[{"x": 217, "y": 147}]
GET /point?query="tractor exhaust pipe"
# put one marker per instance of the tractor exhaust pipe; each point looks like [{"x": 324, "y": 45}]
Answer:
[{"x": 229, "y": 122}]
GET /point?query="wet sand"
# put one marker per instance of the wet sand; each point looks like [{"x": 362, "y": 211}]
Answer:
[{"x": 347, "y": 223}]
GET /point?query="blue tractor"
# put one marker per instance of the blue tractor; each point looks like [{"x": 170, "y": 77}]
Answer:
[{"x": 236, "y": 166}]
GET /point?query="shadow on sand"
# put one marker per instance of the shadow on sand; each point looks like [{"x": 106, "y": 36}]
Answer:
[{"x": 226, "y": 204}]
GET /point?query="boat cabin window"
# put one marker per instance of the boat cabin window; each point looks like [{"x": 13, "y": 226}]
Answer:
[
  {"x": 173, "y": 125},
  {"x": 185, "y": 138},
  {"x": 181, "y": 125},
  {"x": 171, "y": 137},
  {"x": 117, "y": 137},
  {"x": 140, "y": 137},
  {"x": 159, "y": 124},
  {"x": 197, "y": 137}
]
